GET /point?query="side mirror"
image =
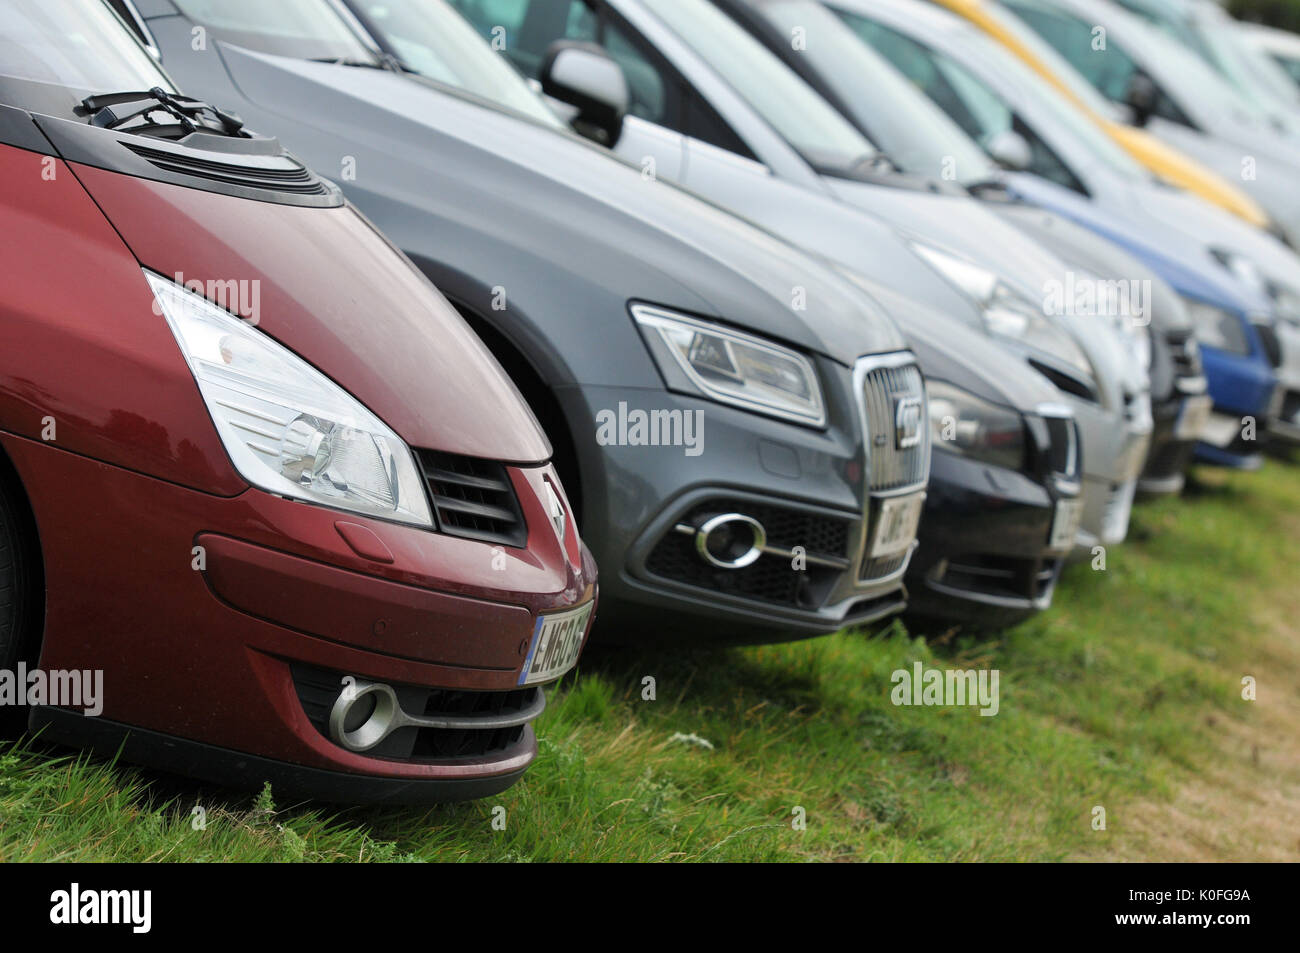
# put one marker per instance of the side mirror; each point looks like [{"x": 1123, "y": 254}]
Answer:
[
  {"x": 587, "y": 78},
  {"x": 1010, "y": 150},
  {"x": 1140, "y": 97}
]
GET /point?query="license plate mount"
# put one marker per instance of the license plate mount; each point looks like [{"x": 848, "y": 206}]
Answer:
[
  {"x": 1065, "y": 524},
  {"x": 556, "y": 644},
  {"x": 896, "y": 524},
  {"x": 1192, "y": 418}
]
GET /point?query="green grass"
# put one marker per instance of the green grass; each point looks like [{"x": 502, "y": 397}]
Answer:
[{"x": 1106, "y": 699}]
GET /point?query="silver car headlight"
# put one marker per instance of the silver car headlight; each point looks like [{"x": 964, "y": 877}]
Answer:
[
  {"x": 1286, "y": 299},
  {"x": 1125, "y": 315},
  {"x": 1007, "y": 313},
  {"x": 1241, "y": 268},
  {"x": 288, "y": 428},
  {"x": 1286, "y": 302},
  {"x": 1217, "y": 328},
  {"x": 733, "y": 367}
]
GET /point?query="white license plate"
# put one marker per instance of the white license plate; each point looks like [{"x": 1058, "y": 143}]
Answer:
[
  {"x": 1065, "y": 524},
  {"x": 896, "y": 524},
  {"x": 1220, "y": 429},
  {"x": 1277, "y": 401},
  {"x": 1192, "y": 418},
  {"x": 557, "y": 643}
]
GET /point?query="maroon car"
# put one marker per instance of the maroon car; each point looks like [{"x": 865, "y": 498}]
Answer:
[{"x": 268, "y": 509}]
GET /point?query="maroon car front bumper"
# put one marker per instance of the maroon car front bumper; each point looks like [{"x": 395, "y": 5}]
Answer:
[{"x": 218, "y": 621}]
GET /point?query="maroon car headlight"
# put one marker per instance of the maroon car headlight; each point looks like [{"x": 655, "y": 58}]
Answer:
[{"x": 288, "y": 428}]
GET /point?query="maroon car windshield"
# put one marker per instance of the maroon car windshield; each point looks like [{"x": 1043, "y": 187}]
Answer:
[{"x": 73, "y": 43}]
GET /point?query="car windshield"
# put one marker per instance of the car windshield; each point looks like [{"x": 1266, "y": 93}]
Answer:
[
  {"x": 304, "y": 29},
  {"x": 807, "y": 122},
  {"x": 916, "y": 133},
  {"x": 1189, "y": 82},
  {"x": 1193, "y": 82},
  {"x": 1046, "y": 54},
  {"x": 1252, "y": 72},
  {"x": 431, "y": 38},
  {"x": 980, "y": 108},
  {"x": 79, "y": 44},
  {"x": 1291, "y": 64}
]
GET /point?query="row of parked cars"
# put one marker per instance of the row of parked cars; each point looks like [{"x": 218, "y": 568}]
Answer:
[{"x": 327, "y": 323}]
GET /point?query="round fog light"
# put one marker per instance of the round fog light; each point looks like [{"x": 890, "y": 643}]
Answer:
[
  {"x": 363, "y": 715},
  {"x": 730, "y": 540}
]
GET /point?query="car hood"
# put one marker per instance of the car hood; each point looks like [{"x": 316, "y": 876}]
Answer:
[
  {"x": 505, "y": 174},
  {"x": 327, "y": 286},
  {"x": 959, "y": 225},
  {"x": 1221, "y": 230},
  {"x": 1172, "y": 252},
  {"x": 962, "y": 226},
  {"x": 1074, "y": 243},
  {"x": 1180, "y": 167},
  {"x": 949, "y": 349}
]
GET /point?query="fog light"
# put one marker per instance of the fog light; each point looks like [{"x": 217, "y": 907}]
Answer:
[
  {"x": 364, "y": 714},
  {"x": 730, "y": 540}
]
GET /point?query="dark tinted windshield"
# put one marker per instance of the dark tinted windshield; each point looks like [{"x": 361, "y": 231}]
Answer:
[
  {"x": 305, "y": 29},
  {"x": 79, "y": 44}
]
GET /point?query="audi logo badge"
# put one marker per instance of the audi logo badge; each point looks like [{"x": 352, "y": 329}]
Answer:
[{"x": 907, "y": 422}]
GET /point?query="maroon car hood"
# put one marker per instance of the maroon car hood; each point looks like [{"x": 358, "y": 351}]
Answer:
[{"x": 335, "y": 292}]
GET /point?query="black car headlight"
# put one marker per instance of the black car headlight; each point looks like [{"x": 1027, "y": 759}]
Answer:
[{"x": 968, "y": 425}]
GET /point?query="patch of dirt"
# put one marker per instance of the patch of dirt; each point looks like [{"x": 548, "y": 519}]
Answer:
[{"x": 1244, "y": 805}]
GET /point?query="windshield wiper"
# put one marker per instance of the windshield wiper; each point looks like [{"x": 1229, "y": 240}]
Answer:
[
  {"x": 136, "y": 110},
  {"x": 384, "y": 61},
  {"x": 990, "y": 186},
  {"x": 876, "y": 162}
]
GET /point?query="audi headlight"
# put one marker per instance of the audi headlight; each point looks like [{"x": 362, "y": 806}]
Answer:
[
  {"x": 733, "y": 367},
  {"x": 962, "y": 423},
  {"x": 288, "y": 428},
  {"x": 1007, "y": 313},
  {"x": 1217, "y": 328}
]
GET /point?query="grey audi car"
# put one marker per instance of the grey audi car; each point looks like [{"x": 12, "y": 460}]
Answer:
[{"x": 742, "y": 429}]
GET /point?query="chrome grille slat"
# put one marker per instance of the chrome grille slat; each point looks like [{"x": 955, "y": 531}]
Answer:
[{"x": 891, "y": 467}]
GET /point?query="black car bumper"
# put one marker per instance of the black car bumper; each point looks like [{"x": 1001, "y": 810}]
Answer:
[
  {"x": 1173, "y": 442},
  {"x": 984, "y": 558}
]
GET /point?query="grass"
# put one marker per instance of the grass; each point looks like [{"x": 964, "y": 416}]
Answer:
[{"x": 1127, "y": 696}]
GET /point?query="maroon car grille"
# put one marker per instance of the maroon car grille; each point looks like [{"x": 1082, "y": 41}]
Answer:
[{"x": 473, "y": 498}]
